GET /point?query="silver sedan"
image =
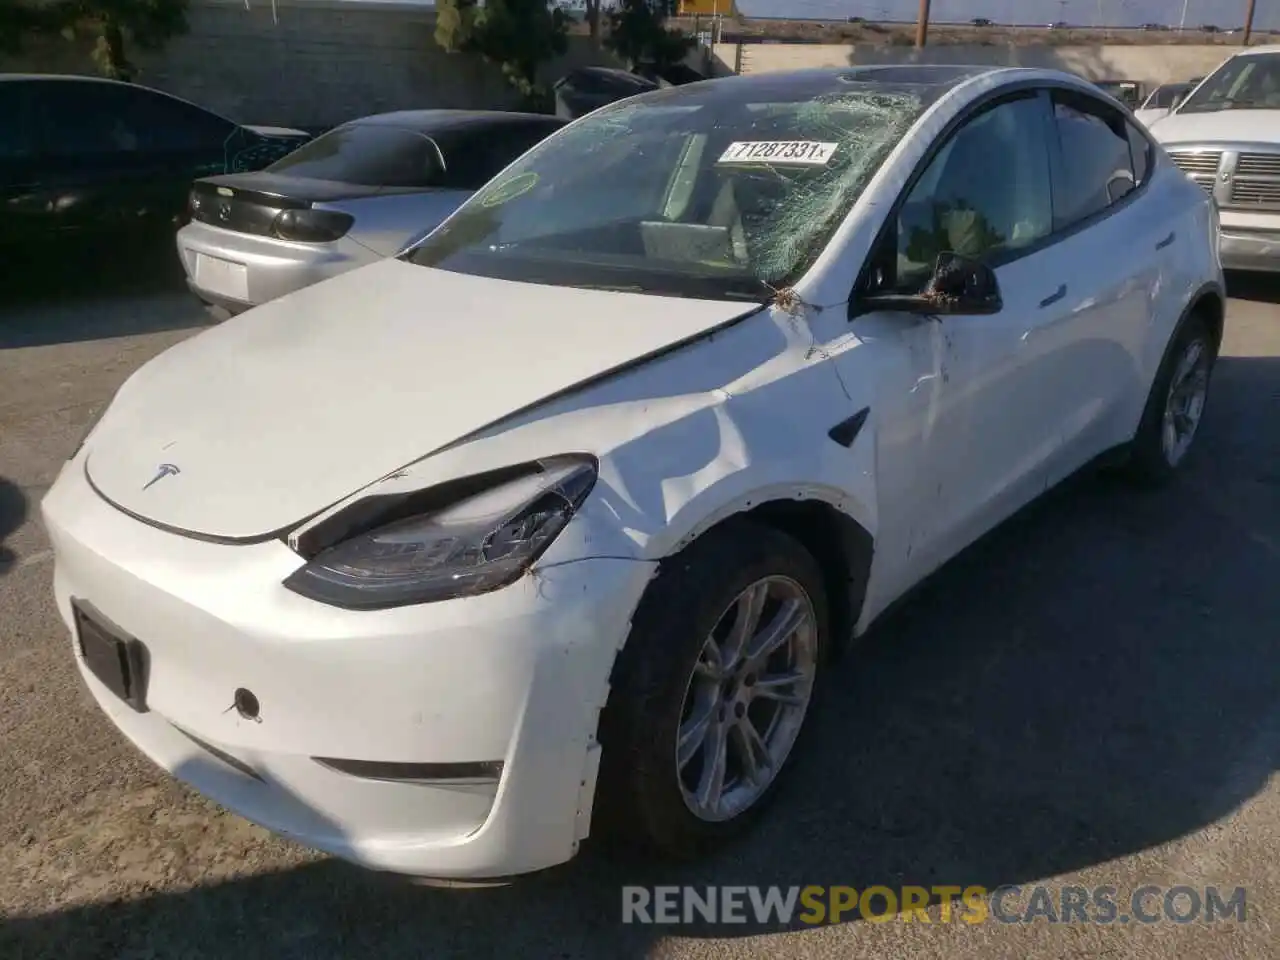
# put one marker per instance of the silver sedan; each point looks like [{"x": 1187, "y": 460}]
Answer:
[{"x": 359, "y": 193}]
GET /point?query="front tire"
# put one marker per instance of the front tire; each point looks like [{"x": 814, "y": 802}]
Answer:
[
  {"x": 1176, "y": 404},
  {"x": 712, "y": 691}
]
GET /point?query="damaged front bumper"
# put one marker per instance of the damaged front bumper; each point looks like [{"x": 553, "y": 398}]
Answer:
[{"x": 450, "y": 740}]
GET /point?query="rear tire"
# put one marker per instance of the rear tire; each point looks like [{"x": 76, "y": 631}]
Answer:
[
  {"x": 658, "y": 791},
  {"x": 1175, "y": 406}
]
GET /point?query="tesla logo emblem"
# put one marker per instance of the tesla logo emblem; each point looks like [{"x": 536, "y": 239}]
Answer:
[
  {"x": 162, "y": 471},
  {"x": 224, "y": 211}
]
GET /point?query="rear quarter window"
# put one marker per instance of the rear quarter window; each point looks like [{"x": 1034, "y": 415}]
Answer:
[
  {"x": 366, "y": 155},
  {"x": 475, "y": 156}
]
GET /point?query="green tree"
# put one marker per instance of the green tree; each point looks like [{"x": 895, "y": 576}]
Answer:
[
  {"x": 114, "y": 24},
  {"x": 516, "y": 35},
  {"x": 639, "y": 36},
  {"x": 22, "y": 19}
]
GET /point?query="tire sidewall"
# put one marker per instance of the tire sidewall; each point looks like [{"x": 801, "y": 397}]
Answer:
[
  {"x": 1149, "y": 460},
  {"x": 661, "y": 677}
]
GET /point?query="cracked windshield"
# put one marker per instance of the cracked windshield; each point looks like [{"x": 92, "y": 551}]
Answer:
[{"x": 689, "y": 194}]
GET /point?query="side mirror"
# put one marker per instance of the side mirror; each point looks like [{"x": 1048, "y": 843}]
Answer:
[{"x": 959, "y": 287}]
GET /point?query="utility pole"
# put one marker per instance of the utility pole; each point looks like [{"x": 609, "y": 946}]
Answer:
[
  {"x": 1248, "y": 22},
  {"x": 922, "y": 23}
]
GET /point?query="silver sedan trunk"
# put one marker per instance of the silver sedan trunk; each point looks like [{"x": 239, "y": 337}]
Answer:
[
  {"x": 354, "y": 195},
  {"x": 232, "y": 265}
]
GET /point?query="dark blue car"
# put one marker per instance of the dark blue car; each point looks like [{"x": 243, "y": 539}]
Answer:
[{"x": 82, "y": 157}]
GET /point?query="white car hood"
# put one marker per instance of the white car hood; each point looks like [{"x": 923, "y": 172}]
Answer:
[
  {"x": 252, "y": 426},
  {"x": 1221, "y": 126}
]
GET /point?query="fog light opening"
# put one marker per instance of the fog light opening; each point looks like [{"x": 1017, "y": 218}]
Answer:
[
  {"x": 246, "y": 704},
  {"x": 486, "y": 772}
]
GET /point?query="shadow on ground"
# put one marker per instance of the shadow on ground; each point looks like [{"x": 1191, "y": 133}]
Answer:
[
  {"x": 13, "y": 512},
  {"x": 1098, "y": 677},
  {"x": 84, "y": 294},
  {"x": 1257, "y": 287}
]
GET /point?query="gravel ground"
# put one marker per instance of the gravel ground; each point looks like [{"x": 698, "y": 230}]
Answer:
[{"x": 1090, "y": 696}]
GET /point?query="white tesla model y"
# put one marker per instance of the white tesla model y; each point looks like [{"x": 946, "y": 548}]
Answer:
[{"x": 556, "y": 518}]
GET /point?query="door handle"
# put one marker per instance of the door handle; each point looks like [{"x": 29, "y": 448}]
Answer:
[
  {"x": 1054, "y": 297},
  {"x": 1166, "y": 241}
]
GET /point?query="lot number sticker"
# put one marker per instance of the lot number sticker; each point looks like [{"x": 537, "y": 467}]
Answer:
[{"x": 806, "y": 152}]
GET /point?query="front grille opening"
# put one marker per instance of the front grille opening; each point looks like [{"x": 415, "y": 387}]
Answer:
[
  {"x": 1258, "y": 165},
  {"x": 489, "y": 771},
  {"x": 234, "y": 763},
  {"x": 1255, "y": 194},
  {"x": 1198, "y": 161}
]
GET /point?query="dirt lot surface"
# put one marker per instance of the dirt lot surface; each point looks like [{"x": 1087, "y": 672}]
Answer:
[{"x": 1092, "y": 696}]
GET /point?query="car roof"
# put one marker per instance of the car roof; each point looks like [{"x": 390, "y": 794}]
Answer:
[
  {"x": 105, "y": 81},
  {"x": 441, "y": 121},
  {"x": 931, "y": 81},
  {"x": 1260, "y": 49}
]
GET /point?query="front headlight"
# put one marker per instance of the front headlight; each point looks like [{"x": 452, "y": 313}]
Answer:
[{"x": 476, "y": 544}]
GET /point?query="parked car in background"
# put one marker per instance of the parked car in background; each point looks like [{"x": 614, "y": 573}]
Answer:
[
  {"x": 82, "y": 157},
  {"x": 584, "y": 89},
  {"x": 1225, "y": 135},
  {"x": 1161, "y": 100},
  {"x": 1128, "y": 92},
  {"x": 353, "y": 195},
  {"x": 550, "y": 526}
]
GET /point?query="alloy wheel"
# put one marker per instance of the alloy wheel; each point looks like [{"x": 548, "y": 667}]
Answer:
[
  {"x": 746, "y": 699},
  {"x": 1184, "y": 405}
]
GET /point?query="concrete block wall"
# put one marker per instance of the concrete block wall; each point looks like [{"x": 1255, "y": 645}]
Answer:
[
  {"x": 308, "y": 63},
  {"x": 1150, "y": 64}
]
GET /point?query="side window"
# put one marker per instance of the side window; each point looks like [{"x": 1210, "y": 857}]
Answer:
[
  {"x": 85, "y": 118},
  {"x": 476, "y": 156},
  {"x": 985, "y": 194},
  {"x": 367, "y": 154},
  {"x": 18, "y": 139},
  {"x": 167, "y": 125},
  {"x": 1097, "y": 165}
]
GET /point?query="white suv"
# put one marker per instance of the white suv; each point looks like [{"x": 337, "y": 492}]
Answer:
[{"x": 1226, "y": 136}]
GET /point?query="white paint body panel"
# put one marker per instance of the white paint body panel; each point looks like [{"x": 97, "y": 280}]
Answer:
[
  {"x": 395, "y": 377},
  {"x": 405, "y": 325},
  {"x": 1222, "y": 126}
]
